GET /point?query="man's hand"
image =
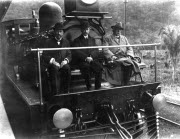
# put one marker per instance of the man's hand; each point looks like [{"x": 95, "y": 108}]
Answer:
[
  {"x": 113, "y": 57},
  {"x": 63, "y": 63},
  {"x": 130, "y": 57},
  {"x": 56, "y": 64},
  {"x": 89, "y": 59}
]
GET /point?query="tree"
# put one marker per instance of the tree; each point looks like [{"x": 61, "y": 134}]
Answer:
[
  {"x": 170, "y": 36},
  {"x": 144, "y": 19}
]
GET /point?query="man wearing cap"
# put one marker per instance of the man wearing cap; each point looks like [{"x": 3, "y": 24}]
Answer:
[
  {"x": 57, "y": 62},
  {"x": 87, "y": 59},
  {"x": 120, "y": 56}
]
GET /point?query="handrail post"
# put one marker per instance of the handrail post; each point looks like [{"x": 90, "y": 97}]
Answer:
[
  {"x": 40, "y": 80},
  {"x": 155, "y": 62}
]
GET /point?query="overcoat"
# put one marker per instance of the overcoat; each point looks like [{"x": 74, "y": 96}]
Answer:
[
  {"x": 59, "y": 55},
  {"x": 81, "y": 54},
  {"x": 121, "y": 51},
  {"x": 59, "y": 78},
  {"x": 120, "y": 70}
]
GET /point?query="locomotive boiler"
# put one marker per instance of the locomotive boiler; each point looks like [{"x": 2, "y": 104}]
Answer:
[{"x": 111, "y": 112}]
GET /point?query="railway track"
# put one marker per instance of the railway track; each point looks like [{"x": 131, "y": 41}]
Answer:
[
  {"x": 169, "y": 120},
  {"x": 173, "y": 103}
]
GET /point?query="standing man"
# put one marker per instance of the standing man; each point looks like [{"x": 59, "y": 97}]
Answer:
[
  {"x": 121, "y": 56},
  {"x": 87, "y": 59},
  {"x": 57, "y": 62}
]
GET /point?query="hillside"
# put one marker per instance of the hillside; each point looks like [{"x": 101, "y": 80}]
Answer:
[{"x": 144, "y": 18}]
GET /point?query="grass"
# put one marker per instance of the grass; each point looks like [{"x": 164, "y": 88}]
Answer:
[{"x": 164, "y": 75}]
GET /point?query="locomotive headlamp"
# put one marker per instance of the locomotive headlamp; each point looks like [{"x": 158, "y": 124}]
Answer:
[
  {"x": 62, "y": 118},
  {"x": 89, "y": 1},
  {"x": 159, "y": 102},
  {"x": 79, "y": 7}
]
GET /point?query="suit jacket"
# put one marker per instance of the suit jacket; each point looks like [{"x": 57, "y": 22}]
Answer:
[
  {"x": 59, "y": 55},
  {"x": 121, "y": 51},
  {"x": 81, "y": 54}
]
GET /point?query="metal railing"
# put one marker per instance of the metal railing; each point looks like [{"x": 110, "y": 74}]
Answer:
[{"x": 40, "y": 50}]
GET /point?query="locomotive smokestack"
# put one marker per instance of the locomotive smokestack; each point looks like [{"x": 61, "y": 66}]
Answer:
[{"x": 49, "y": 14}]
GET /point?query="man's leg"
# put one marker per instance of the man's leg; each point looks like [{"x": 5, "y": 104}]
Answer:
[
  {"x": 65, "y": 78},
  {"x": 53, "y": 71},
  {"x": 97, "y": 70},
  {"x": 86, "y": 73},
  {"x": 98, "y": 78},
  {"x": 127, "y": 74}
]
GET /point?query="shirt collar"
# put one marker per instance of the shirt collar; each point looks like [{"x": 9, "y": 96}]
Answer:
[
  {"x": 58, "y": 40},
  {"x": 86, "y": 37},
  {"x": 117, "y": 37}
]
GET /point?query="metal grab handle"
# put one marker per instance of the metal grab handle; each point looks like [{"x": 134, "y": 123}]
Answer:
[{"x": 124, "y": 134}]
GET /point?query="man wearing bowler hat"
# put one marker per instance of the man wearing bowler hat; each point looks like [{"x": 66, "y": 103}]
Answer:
[
  {"x": 121, "y": 56},
  {"x": 87, "y": 59},
  {"x": 57, "y": 62}
]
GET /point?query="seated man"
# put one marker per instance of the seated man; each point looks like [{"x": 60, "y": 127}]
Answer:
[
  {"x": 57, "y": 62},
  {"x": 120, "y": 57},
  {"x": 87, "y": 59}
]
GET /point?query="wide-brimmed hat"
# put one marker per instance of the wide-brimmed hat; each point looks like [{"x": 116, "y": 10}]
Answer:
[
  {"x": 59, "y": 26},
  {"x": 118, "y": 26},
  {"x": 85, "y": 25}
]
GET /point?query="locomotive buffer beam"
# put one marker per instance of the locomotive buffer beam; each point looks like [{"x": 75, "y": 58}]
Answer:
[{"x": 92, "y": 109}]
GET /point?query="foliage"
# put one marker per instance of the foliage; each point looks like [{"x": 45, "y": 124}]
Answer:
[
  {"x": 144, "y": 19},
  {"x": 171, "y": 38}
]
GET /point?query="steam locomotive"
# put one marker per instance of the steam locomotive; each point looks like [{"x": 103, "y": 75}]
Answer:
[{"x": 111, "y": 112}]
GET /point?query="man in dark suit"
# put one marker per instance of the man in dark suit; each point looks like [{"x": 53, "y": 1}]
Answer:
[
  {"x": 57, "y": 62},
  {"x": 87, "y": 59}
]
